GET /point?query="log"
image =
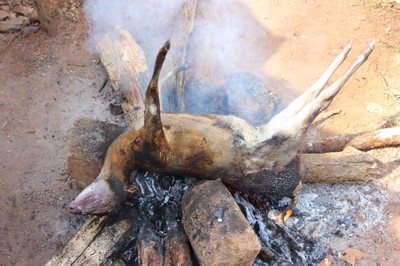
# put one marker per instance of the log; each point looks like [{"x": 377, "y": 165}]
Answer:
[
  {"x": 348, "y": 166},
  {"x": 126, "y": 66},
  {"x": 380, "y": 138},
  {"x": 150, "y": 247},
  {"x": 177, "y": 249},
  {"x": 129, "y": 76},
  {"x": 93, "y": 243},
  {"x": 181, "y": 37}
]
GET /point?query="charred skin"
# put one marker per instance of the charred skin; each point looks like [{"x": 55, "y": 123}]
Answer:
[{"x": 254, "y": 160}]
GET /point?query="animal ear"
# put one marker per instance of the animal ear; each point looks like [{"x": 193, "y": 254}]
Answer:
[{"x": 152, "y": 118}]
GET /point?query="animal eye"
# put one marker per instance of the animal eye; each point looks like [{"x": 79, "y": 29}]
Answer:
[{"x": 137, "y": 140}]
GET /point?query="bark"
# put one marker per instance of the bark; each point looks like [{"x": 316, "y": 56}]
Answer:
[
  {"x": 177, "y": 249},
  {"x": 150, "y": 247}
]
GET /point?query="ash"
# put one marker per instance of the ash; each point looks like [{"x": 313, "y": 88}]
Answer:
[
  {"x": 281, "y": 245},
  {"x": 326, "y": 220},
  {"x": 341, "y": 215}
]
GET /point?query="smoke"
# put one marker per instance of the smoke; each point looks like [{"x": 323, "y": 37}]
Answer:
[
  {"x": 150, "y": 22},
  {"x": 226, "y": 39}
]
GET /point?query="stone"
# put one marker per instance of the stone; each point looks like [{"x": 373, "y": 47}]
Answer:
[
  {"x": 87, "y": 145},
  {"x": 217, "y": 229}
]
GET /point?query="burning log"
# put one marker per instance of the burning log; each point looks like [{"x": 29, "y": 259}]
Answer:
[
  {"x": 177, "y": 248},
  {"x": 129, "y": 76}
]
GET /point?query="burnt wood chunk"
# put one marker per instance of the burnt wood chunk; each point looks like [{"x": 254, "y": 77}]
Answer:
[
  {"x": 218, "y": 231},
  {"x": 150, "y": 247},
  {"x": 177, "y": 249},
  {"x": 87, "y": 146}
]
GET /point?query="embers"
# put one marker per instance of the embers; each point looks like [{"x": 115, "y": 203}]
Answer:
[{"x": 280, "y": 245}]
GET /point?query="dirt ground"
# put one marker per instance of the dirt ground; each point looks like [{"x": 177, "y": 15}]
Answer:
[{"x": 47, "y": 82}]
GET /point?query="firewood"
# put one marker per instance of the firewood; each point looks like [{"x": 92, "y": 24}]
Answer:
[
  {"x": 182, "y": 34},
  {"x": 126, "y": 66},
  {"x": 380, "y": 138},
  {"x": 386, "y": 137},
  {"x": 93, "y": 242},
  {"x": 177, "y": 249},
  {"x": 150, "y": 247},
  {"x": 347, "y": 166}
]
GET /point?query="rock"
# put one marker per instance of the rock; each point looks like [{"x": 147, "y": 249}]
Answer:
[
  {"x": 217, "y": 230},
  {"x": 87, "y": 145},
  {"x": 4, "y": 14},
  {"x": 14, "y": 24}
]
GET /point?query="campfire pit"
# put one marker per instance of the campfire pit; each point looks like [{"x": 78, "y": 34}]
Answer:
[{"x": 142, "y": 234}]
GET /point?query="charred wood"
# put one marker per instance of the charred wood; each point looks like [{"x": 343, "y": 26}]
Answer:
[{"x": 150, "y": 247}]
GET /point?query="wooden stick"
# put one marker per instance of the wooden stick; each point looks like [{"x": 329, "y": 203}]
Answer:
[
  {"x": 173, "y": 89},
  {"x": 380, "y": 138}
]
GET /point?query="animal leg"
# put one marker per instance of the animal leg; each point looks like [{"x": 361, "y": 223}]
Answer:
[
  {"x": 303, "y": 119},
  {"x": 312, "y": 92}
]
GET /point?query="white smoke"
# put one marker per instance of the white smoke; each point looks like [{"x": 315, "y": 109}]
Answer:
[{"x": 226, "y": 37}]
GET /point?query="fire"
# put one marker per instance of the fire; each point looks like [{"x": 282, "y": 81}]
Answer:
[{"x": 280, "y": 218}]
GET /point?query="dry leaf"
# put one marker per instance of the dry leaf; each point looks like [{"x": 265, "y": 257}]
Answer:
[{"x": 350, "y": 255}]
